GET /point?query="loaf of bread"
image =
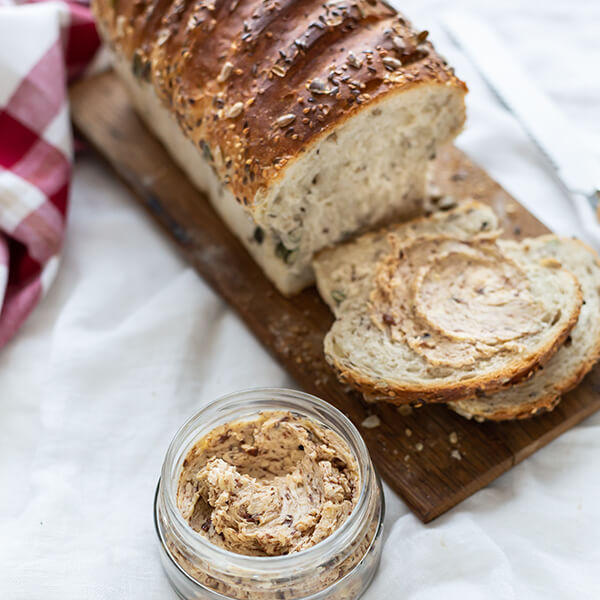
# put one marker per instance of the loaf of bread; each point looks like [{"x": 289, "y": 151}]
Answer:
[
  {"x": 576, "y": 357},
  {"x": 436, "y": 310},
  {"x": 303, "y": 121}
]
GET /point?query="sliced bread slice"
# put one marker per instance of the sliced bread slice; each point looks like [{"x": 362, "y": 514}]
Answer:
[
  {"x": 575, "y": 358},
  {"x": 345, "y": 272},
  {"x": 395, "y": 354}
]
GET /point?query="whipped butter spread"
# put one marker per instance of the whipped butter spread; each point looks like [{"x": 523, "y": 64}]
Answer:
[
  {"x": 454, "y": 302},
  {"x": 269, "y": 486}
]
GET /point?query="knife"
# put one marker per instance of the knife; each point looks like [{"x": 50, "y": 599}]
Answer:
[{"x": 559, "y": 142}]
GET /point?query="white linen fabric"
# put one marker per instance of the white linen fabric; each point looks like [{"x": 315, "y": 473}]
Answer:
[{"x": 130, "y": 342}]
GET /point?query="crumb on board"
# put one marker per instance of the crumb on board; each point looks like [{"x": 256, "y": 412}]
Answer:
[
  {"x": 453, "y": 437},
  {"x": 405, "y": 410},
  {"x": 406, "y": 457},
  {"x": 371, "y": 422},
  {"x": 408, "y": 432},
  {"x": 418, "y": 446},
  {"x": 456, "y": 454}
]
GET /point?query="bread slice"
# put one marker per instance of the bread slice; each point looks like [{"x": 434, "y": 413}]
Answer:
[
  {"x": 379, "y": 361},
  {"x": 575, "y": 358},
  {"x": 345, "y": 274}
]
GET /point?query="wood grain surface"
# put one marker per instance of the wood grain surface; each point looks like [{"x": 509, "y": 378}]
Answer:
[{"x": 412, "y": 452}]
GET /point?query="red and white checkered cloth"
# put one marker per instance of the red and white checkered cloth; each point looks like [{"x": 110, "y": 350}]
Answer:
[{"x": 43, "y": 45}]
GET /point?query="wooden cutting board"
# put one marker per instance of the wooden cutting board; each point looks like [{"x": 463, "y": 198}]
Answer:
[{"x": 412, "y": 452}]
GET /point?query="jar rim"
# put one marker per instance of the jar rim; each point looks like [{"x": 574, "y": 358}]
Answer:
[{"x": 330, "y": 417}]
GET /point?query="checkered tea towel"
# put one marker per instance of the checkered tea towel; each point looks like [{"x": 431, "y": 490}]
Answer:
[{"x": 43, "y": 45}]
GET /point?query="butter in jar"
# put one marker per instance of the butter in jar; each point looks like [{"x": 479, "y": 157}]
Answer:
[{"x": 269, "y": 494}]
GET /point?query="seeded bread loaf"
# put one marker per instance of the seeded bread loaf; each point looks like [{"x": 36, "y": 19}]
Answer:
[
  {"x": 435, "y": 311},
  {"x": 577, "y": 355},
  {"x": 304, "y": 122}
]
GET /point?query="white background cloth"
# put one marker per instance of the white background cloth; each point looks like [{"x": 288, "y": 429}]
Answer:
[{"x": 130, "y": 342}]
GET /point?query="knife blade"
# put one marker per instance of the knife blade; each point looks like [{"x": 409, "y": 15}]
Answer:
[{"x": 562, "y": 145}]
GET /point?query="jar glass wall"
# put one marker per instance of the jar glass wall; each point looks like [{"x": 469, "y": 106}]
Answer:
[{"x": 339, "y": 567}]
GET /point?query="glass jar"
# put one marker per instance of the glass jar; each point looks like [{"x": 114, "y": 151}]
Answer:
[{"x": 339, "y": 567}]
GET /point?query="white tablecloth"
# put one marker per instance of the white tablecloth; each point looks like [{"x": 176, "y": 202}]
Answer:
[{"x": 130, "y": 342}]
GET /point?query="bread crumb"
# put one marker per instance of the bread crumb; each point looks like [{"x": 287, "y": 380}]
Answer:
[
  {"x": 453, "y": 437},
  {"x": 511, "y": 208},
  {"x": 395, "y": 451},
  {"x": 405, "y": 410},
  {"x": 418, "y": 446},
  {"x": 407, "y": 432},
  {"x": 456, "y": 454},
  {"x": 406, "y": 457},
  {"x": 371, "y": 422}
]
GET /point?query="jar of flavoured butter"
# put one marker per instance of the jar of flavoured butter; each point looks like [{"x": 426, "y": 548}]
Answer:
[{"x": 269, "y": 494}]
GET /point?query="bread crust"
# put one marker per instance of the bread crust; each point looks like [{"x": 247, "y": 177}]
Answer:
[
  {"x": 550, "y": 401},
  {"x": 526, "y": 411},
  {"x": 254, "y": 84},
  {"x": 509, "y": 376}
]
